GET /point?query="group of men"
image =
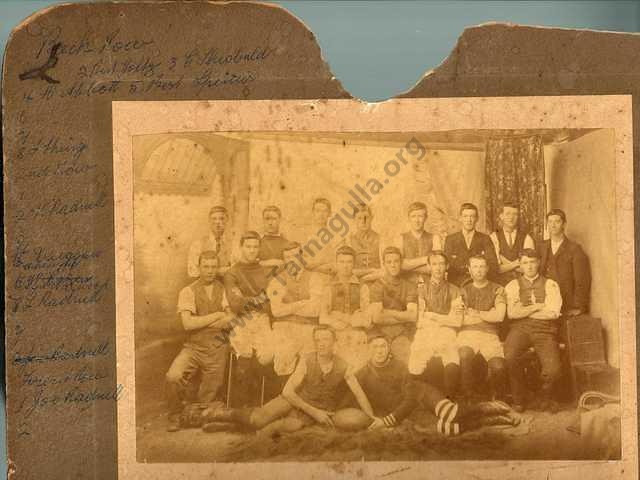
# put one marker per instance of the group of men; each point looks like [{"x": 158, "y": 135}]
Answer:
[{"x": 357, "y": 325}]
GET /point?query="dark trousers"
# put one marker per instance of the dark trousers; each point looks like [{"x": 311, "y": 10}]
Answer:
[
  {"x": 470, "y": 375},
  {"x": 543, "y": 336},
  {"x": 210, "y": 362}
]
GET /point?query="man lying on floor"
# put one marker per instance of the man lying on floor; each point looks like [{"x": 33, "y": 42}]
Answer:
[
  {"x": 394, "y": 394},
  {"x": 311, "y": 394},
  {"x": 383, "y": 389}
]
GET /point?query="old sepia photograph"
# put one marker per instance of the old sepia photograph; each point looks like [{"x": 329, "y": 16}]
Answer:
[{"x": 318, "y": 295}]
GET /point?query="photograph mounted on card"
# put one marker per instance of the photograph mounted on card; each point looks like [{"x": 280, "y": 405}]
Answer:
[{"x": 417, "y": 280}]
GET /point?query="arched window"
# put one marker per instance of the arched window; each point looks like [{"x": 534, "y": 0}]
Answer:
[{"x": 178, "y": 166}]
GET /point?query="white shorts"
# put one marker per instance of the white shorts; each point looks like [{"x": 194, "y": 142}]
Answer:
[
  {"x": 486, "y": 343},
  {"x": 432, "y": 340},
  {"x": 290, "y": 339},
  {"x": 352, "y": 346},
  {"x": 254, "y": 335}
]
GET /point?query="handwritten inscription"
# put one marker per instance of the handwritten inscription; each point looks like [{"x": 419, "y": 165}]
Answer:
[
  {"x": 59, "y": 207},
  {"x": 62, "y": 354},
  {"x": 114, "y": 42},
  {"x": 129, "y": 69},
  {"x": 120, "y": 65},
  {"x": 48, "y": 279},
  {"x": 76, "y": 386}
]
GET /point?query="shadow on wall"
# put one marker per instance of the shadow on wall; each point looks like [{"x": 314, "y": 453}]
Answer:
[
  {"x": 581, "y": 181},
  {"x": 175, "y": 186}
]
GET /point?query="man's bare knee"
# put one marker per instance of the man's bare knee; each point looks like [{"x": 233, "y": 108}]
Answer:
[{"x": 259, "y": 419}]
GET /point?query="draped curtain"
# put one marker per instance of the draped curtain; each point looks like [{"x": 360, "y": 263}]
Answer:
[{"x": 514, "y": 173}]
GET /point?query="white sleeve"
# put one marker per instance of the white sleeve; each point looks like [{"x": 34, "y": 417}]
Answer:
[
  {"x": 512, "y": 291},
  {"x": 528, "y": 242},
  {"x": 275, "y": 292},
  {"x": 496, "y": 245},
  {"x": 187, "y": 301},
  {"x": 438, "y": 244},
  {"x": 553, "y": 299},
  {"x": 225, "y": 302}
]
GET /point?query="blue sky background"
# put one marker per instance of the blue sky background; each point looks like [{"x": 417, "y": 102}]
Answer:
[{"x": 365, "y": 40}]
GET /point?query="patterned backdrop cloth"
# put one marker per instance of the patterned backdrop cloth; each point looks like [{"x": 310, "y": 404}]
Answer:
[{"x": 514, "y": 172}]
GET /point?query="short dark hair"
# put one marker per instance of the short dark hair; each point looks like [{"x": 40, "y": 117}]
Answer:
[
  {"x": 274, "y": 209},
  {"x": 511, "y": 205},
  {"x": 375, "y": 334},
  {"x": 559, "y": 213},
  {"x": 322, "y": 201},
  {"x": 250, "y": 235},
  {"x": 391, "y": 251},
  {"x": 345, "y": 250},
  {"x": 324, "y": 327},
  {"x": 218, "y": 209},
  {"x": 292, "y": 245},
  {"x": 477, "y": 257},
  {"x": 417, "y": 206},
  {"x": 361, "y": 207},
  {"x": 439, "y": 253},
  {"x": 530, "y": 253},
  {"x": 208, "y": 255},
  {"x": 468, "y": 206}
]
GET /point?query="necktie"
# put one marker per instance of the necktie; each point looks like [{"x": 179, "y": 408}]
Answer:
[{"x": 510, "y": 239}]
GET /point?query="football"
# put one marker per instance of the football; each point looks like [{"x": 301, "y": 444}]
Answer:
[{"x": 351, "y": 419}]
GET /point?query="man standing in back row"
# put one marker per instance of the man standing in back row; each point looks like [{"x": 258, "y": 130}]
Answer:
[
  {"x": 215, "y": 241},
  {"x": 565, "y": 262},
  {"x": 468, "y": 242},
  {"x": 272, "y": 243},
  {"x": 416, "y": 244},
  {"x": 509, "y": 241}
]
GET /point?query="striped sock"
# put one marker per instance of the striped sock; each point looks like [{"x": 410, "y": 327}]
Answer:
[
  {"x": 389, "y": 420},
  {"x": 448, "y": 429},
  {"x": 446, "y": 411}
]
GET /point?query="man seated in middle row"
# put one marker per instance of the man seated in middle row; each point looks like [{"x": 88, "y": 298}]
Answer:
[
  {"x": 345, "y": 307},
  {"x": 394, "y": 304},
  {"x": 485, "y": 308},
  {"x": 295, "y": 295},
  {"x": 441, "y": 312},
  {"x": 245, "y": 286},
  {"x": 534, "y": 304}
]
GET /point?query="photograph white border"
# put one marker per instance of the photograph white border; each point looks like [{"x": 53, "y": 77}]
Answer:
[{"x": 398, "y": 115}]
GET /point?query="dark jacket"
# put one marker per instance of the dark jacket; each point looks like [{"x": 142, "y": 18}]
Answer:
[
  {"x": 458, "y": 254},
  {"x": 570, "y": 268}
]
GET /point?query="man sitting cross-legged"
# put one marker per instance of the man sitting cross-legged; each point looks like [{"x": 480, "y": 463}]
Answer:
[
  {"x": 311, "y": 394},
  {"x": 394, "y": 394},
  {"x": 393, "y": 304},
  {"x": 533, "y": 304}
]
